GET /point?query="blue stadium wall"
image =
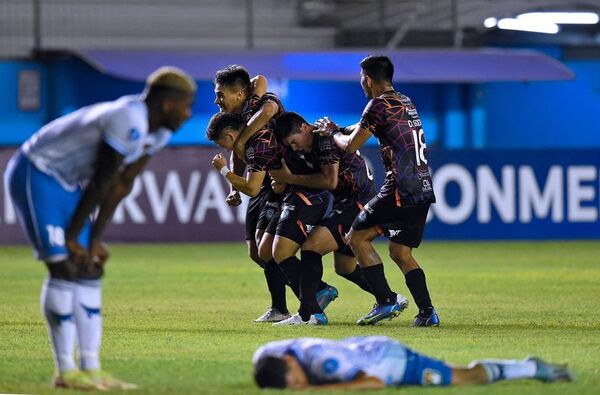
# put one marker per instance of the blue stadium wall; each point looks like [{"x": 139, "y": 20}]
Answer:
[{"x": 510, "y": 160}]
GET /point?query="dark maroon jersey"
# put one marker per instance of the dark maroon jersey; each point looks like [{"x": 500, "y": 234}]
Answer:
[
  {"x": 263, "y": 151},
  {"x": 255, "y": 102},
  {"x": 393, "y": 119}
]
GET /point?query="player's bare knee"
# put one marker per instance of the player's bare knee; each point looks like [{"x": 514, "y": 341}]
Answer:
[{"x": 402, "y": 255}]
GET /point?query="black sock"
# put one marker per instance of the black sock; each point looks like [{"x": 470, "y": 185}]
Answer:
[
  {"x": 310, "y": 275},
  {"x": 415, "y": 281},
  {"x": 291, "y": 269},
  {"x": 376, "y": 279},
  {"x": 276, "y": 283},
  {"x": 359, "y": 279}
]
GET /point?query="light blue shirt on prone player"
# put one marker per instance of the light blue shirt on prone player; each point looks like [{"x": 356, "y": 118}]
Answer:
[
  {"x": 67, "y": 148},
  {"x": 342, "y": 360}
]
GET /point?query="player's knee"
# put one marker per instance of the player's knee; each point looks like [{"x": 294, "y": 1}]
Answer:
[
  {"x": 355, "y": 240},
  {"x": 253, "y": 253},
  {"x": 400, "y": 254}
]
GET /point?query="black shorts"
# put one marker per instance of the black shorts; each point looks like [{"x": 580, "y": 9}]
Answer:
[
  {"x": 252, "y": 215},
  {"x": 269, "y": 213},
  {"x": 402, "y": 225},
  {"x": 298, "y": 217},
  {"x": 339, "y": 221}
]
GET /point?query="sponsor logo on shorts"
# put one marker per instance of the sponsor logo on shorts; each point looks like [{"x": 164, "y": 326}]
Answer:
[
  {"x": 395, "y": 232},
  {"x": 286, "y": 211},
  {"x": 431, "y": 377},
  {"x": 134, "y": 134},
  {"x": 309, "y": 228}
]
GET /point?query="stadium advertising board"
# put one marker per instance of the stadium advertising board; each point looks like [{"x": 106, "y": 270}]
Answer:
[{"x": 480, "y": 195}]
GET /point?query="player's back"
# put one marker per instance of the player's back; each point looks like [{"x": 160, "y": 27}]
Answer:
[{"x": 67, "y": 147}]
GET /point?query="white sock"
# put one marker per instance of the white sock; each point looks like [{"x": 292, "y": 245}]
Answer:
[
  {"x": 56, "y": 301},
  {"x": 507, "y": 369},
  {"x": 88, "y": 317}
]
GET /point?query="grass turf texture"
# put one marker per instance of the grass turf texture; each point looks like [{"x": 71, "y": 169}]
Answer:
[{"x": 178, "y": 318}]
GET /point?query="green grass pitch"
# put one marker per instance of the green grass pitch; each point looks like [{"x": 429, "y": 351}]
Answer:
[{"x": 178, "y": 318}]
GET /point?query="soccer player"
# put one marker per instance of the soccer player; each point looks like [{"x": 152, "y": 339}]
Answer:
[
  {"x": 236, "y": 93},
  {"x": 400, "y": 208},
  {"x": 82, "y": 161},
  {"x": 351, "y": 185},
  {"x": 263, "y": 153},
  {"x": 377, "y": 362}
]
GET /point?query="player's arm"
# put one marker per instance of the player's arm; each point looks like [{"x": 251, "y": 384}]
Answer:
[
  {"x": 250, "y": 185},
  {"x": 122, "y": 185},
  {"x": 259, "y": 85},
  {"x": 258, "y": 121},
  {"x": 349, "y": 138},
  {"x": 326, "y": 179},
  {"x": 360, "y": 382},
  {"x": 109, "y": 161}
]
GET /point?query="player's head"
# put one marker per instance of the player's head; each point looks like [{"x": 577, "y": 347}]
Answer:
[
  {"x": 224, "y": 128},
  {"x": 375, "y": 70},
  {"x": 232, "y": 87},
  {"x": 169, "y": 95},
  {"x": 293, "y": 130},
  {"x": 285, "y": 372}
]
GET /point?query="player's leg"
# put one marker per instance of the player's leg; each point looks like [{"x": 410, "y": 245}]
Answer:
[
  {"x": 346, "y": 266},
  {"x": 38, "y": 201},
  {"x": 365, "y": 229},
  {"x": 275, "y": 279},
  {"x": 489, "y": 371},
  {"x": 319, "y": 242},
  {"x": 405, "y": 234}
]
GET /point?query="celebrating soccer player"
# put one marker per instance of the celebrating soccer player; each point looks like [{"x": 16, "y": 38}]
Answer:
[
  {"x": 400, "y": 208},
  {"x": 236, "y": 93},
  {"x": 377, "y": 362},
  {"x": 350, "y": 182},
  {"x": 70, "y": 167}
]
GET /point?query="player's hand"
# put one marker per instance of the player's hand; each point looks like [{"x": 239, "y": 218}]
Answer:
[
  {"x": 78, "y": 255},
  {"x": 325, "y": 127},
  {"x": 283, "y": 175},
  {"x": 234, "y": 199},
  {"x": 99, "y": 252},
  {"x": 239, "y": 149},
  {"x": 219, "y": 162},
  {"x": 278, "y": 187}
]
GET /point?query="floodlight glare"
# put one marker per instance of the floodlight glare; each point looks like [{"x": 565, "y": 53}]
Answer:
[
  {"x": 490, "y": 22},
  {"x": 562, "y": 18},
  {"x": 528, "y": 26}
]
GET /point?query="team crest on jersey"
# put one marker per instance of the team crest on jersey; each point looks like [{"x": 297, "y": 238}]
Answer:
[
  {"x": 250, "y": 153},
  {"x": 324, "y": 143},
  {"x": 269, "y": 213},
  {"x": 427, "y": 186},
  {"x": 134, "y": 134}
]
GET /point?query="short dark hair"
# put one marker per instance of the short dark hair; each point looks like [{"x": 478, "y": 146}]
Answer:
[
  {"x": 270, "y": 372},
  {"x": 288, "y": 123},
  {"x": 233, "y": 75},
  {"x": 378, "y": 67},
  {"x": 221, "y": 121}
]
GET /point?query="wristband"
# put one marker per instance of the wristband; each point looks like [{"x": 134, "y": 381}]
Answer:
[{"x": 224, "y": 170}]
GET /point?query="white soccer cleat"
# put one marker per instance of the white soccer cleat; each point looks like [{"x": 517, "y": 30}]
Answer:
[
  {"x": 315, "y": 319},
  {"x": 273, "y": 315}
]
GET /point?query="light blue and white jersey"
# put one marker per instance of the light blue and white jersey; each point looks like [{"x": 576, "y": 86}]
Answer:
[
  {"x": 326, "y": 360},
  {"x": 67, "y": 147}
]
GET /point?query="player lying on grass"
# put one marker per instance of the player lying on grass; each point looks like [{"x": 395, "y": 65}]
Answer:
[
  {"x": 263, "y": 153},
  {"x": 376, "y": 362},
  {"x": 236, "y": 93},
  {"x": 75, "y": 164},
  {"x": 351, "y": 184}
]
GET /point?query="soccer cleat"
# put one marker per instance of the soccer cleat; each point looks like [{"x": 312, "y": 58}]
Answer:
[
  {"x": 107, "y": 381},
  {"x": 425, "y": 319},
  {"x": 326, "y": 296},
  {"x": 549, "y": 372},
  {"x": 76, "y": 379},
  {"x": 273, "y": 315},
  {"x": 382, "y": 312},
  {"x": 315, "y": 319}
]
